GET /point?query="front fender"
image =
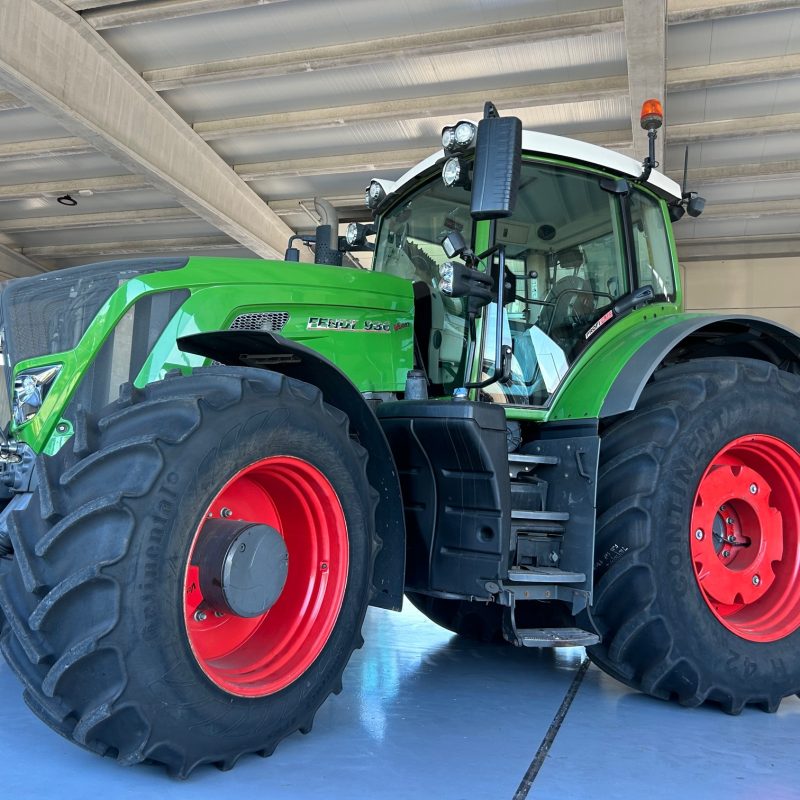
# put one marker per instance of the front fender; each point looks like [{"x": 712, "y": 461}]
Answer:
[{"x": 269, "y": 351}]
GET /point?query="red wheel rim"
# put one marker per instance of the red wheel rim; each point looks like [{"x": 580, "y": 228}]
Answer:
[
  {"x": 257, "y": 656},
  {"x": 745, "y": 537}
]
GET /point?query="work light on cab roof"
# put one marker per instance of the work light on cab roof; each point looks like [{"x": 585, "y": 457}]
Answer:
[{"x": 458, "y": 137}]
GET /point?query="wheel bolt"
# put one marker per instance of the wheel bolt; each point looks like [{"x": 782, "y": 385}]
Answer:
[
  {"x": 199, "y": 616},
  {"x": 756, "y": 580},
  {"x": 753, "y": 489},
  {"x": 226, "y": 513},
  {"x": 726, "y": 553},
  {"x": 218, "y": 614},
  {"x": 731, "y": 538},
  {"x": 324, "y": 566},
  {"x": 729, "y": 520},
  {"x": 698, "y": 534}
]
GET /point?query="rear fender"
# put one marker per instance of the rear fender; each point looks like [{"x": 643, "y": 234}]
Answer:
[
  {"x": 702, "y": 337},
  {"x": 269, "y": 351}
]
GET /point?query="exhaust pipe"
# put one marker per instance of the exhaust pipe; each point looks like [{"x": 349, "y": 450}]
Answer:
[{"x": 327, "y": 249}]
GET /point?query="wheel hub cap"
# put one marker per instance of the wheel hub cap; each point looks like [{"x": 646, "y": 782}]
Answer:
[
  {"x": 745, "y": 537},
  {"x": 242, "y": 566}
]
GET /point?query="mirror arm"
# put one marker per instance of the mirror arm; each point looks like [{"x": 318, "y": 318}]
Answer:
[{"x": 499, "y": 353}]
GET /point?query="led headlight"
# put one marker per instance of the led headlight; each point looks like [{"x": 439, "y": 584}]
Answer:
[
  {"x": 356, "y": 235},
  {"x": 451, "y": 171},
  {"x": 458, "y": 137},
  {"x": 446, "y": 277},
  {"x": 353, "y": 234},
  {"x": 30, "y": 389},
  {"x": 374, "y": 194},
  {"x": 464, "y": 133}
]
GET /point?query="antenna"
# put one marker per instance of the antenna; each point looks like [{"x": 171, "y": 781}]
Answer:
[{"x": 685, "y": 169}]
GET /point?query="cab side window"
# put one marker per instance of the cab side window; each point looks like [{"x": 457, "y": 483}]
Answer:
[{"x": 653, "y": 257}]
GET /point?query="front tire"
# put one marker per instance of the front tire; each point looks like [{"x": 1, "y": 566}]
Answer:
[
  {"x": 118, "y": 647},
  {"x": 697, "y": 573}
]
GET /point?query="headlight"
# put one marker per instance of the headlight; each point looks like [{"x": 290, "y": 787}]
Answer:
[
  {"x": 374, "y": 194},
  {"x": 458, "y": 137},
  {"x": 356, "y": 234},
  {"x": 464, "y": 133},
  {"x": 30, "y": 389},
  {"x": 451, "y": 171},
  {"x": 446, "y": 277},
  {"x": 353, "y": 234},
  {"x": 455, "y": 172}
]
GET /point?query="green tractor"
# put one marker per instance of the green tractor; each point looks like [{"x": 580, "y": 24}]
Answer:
[{"x": 212, "y": 467}]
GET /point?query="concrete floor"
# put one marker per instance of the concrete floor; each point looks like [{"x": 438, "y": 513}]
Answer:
[{"x": 426, "y": 715}]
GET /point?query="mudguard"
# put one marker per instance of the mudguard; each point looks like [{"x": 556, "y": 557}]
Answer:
[
  {"x": 269, "y": 351},
  {"x": 697, "y": 337}
]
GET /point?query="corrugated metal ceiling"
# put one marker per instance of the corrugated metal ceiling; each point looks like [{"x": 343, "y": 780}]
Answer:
[{"x": 287, "y": 160}]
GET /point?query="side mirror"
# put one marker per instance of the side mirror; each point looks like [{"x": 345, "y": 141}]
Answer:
[
  {"x": 498, "y": 162},
  {"x": 453, "y": 244},
  {"x": 695, "y": 205}
]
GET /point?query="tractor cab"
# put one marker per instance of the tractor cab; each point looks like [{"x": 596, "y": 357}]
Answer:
[{"x": 584, "y": 240}]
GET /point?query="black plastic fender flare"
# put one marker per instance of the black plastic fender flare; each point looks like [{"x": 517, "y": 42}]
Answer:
[
  {"x": 762, "y": 338},
  {"x": 272, "y": 352}
]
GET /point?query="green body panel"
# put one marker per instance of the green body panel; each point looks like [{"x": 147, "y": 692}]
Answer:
[
  {"x": 374, "y": 347},
  {"x": 584, "y": 389}
]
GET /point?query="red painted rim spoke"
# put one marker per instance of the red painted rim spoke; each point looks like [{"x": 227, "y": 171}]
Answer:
[
  {"x": 258, "y": 656},
  {"x": 745, "y": 537}
]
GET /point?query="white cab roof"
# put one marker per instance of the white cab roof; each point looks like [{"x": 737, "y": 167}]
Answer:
[{"x": 546, "y": 144}]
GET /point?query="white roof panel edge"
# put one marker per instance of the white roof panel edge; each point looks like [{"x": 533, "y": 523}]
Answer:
[{"x": 548, "y": 144}]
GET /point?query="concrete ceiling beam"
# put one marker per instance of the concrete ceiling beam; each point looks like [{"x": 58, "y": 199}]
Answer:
[
  {"x": 753, "y": 209},
  {"x": 756, "y": 70},
  {"x": 43, "y": 148},
  {"x": 740, "y": 173},
  {"x": 103, "y": 16},
  {"x": 51, "y": 58},
  {"x": 95, "y": 220},
  {"x": 116, "y": 183},
  {"x": 333, "y": 165},
  {"x": 101, "y": 249},
  {"x": 350, "y": 54},
  {"x": 416, "y": 107},
  {"x": 13, "y": 264},
  {"x": 743, "y": 128},
  {"x": 680, "y": 12},
  {"x": 646, "y": 39},
  {"x": 8, "y": 102},
  {"x": 373, "y": 163},
  {"x": 738, "y": 247}
]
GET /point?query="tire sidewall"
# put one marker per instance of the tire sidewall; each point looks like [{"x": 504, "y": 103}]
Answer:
[
  {"x": 748, "y": 407},
  {"x": 162, "y": 667}
]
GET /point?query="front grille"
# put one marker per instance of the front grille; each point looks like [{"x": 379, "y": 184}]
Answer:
[
  {"x": 272, "y": 321},
  {"x": 50, "y": 313}
]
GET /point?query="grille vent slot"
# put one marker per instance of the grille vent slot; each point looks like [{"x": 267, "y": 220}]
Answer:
[{"x": 272, "y": 321}]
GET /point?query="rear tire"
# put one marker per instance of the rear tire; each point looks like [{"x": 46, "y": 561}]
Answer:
[
  {"x": 102, "y": 632},
  {"x": 711, "y": 451}
]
